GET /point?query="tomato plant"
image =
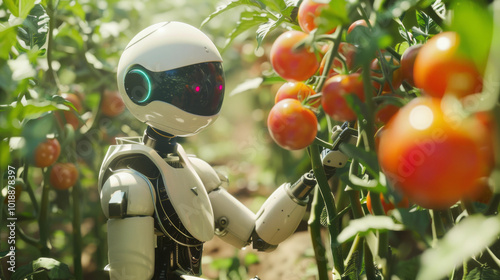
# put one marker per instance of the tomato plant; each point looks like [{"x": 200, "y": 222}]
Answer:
[
  {"x": 291, "y": 125},
  {"x": 63, "y": 175},
  {"x": 296, "y": 90},
  {"x": 47, "y": 152},
  {"x": 290, "y": 61},
  {"x": 388, "y": 80},
  {"x": 334, "y": 92},
  {"x": 308, "y": 15},
  {"x": 348, "y": 52},
  {"x": 422, "y": 150},
  {"x": 441, "y": 68}
]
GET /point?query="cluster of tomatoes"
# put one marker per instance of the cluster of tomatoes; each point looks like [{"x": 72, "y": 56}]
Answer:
[
  {"x": 63, "y": 175},
  {"x": 430, "y": 149}
]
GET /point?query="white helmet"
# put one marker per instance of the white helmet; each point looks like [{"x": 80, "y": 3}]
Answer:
[{"x": 170, "y": 77}]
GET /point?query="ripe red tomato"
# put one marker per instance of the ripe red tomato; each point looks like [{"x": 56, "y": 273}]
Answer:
[
  {"x": 47, "y": 152},
  {"x": 296, "y": 90},
  {"x": 394, "y": 74},
  {"x": 308, "y": 13},
  {"x": 63, "y": 175},
  {"x": 403, "y": 203},
  {"x": 408, "y": 62},
  {"x": 70, "y": 117},
  {"x": 292, "y": 63},
  {"x": 334, "y": 92},
  {"x": 440, "y": 68},
  {"x": 112, "y": 104},
  {"x": 348, "y": 51},
  {"x": 291, "y": 125},
  {"x": 434, "y": 158}
]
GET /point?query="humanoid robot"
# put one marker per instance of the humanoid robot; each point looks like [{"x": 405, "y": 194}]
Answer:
[{"x": 162, "y": 204}]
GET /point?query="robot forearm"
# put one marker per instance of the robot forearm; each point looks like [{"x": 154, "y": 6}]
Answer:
[
  {"x": 282, "y": 212},
  {"x": 277, "y": 219}
]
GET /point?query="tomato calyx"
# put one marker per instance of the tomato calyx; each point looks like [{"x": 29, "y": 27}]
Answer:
[{"x": 386, "y": 74}]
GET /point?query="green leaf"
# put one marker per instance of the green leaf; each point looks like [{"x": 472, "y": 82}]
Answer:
[
  {"x": 367, "y": 158},
  {"x": 265, "y": 28},
  {"x": 247, "y": 85},
  {"x": 35, "y": 28},
  {"x": 33, "y": 109},
  {"x": 476, "y": 32},
  {"x": 366, "y": 225},
  {"x": 74, "y": 7},
  {"x": 55, "y": 269},
  {"x": 247, "y": 20},
  {"x": 275, "y": 5},
  {"x": 3, "y": 254},
  {"x": 8, "y": 37},
  {"x": 12, "y": 7},
  {"x": 483, "y": 273},
  {"x": 20, "y": 8},
  {"x": 25, "y": 7},
  {"x": 67, "y": 31},
  {"x": 468, "y": 238},
  {"x": 363, "y": 183},
  {"x": 237, "y": 3},
  {"x": 335, "y": 14},
  {"x": 413, "y": 219},
  {"x": 408, "y": 269}
]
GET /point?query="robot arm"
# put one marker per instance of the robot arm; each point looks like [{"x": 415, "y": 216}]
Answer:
[
  {"x": 127, "y": 201},
  {"x": 280, "y": 214},
  {"x": 277, "y": 219}
]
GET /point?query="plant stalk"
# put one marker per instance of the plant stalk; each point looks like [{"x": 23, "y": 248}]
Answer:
[
  {"x": 77, "y": 234},
  {"x": 43, "y": 219},
  {"x": 333, "y": 227},
  {"x": 314, "y": 223}
]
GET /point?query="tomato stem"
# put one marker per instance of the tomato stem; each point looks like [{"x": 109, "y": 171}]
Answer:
[
  {"x": 77, "y": 235},
  {"x": 330, "y": 57},
  {"x": 314, "y": 223},
  {"x": 43, "y": 221},
  {"x": 29, "y": 189},
  {"x": 437, "y": 226},
  {"x": 369, "y": 267},
  {"x": 51, "y": 73},
  {"x": 330, "y": 205}
]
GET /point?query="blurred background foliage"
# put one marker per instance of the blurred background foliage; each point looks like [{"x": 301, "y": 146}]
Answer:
[{"x": 50, "y": 49}]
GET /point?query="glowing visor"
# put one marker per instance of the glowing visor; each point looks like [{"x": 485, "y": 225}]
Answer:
[{"x": 196, "y": 89}]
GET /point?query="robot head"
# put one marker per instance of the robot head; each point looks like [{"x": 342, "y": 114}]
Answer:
[{"x": 170, "y": 77}]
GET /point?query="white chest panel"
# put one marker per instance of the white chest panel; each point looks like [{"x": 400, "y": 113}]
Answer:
[{"x": 183, "y": 186}]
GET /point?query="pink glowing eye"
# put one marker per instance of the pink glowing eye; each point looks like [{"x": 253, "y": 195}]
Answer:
[
  {"x": 220, "y": 87},
  {"x": 197, "y": 89}
]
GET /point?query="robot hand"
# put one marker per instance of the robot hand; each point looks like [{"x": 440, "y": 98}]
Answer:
[{"x": 282, "y": 212}]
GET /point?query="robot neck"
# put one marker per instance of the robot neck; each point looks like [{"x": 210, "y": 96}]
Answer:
[{"x": 163, "y": 142}]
